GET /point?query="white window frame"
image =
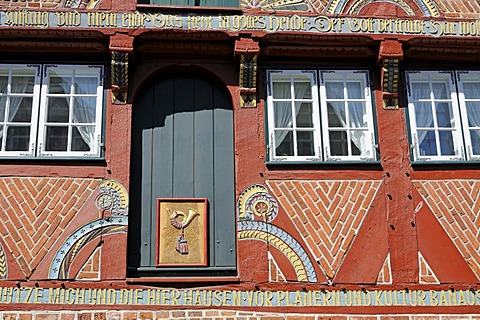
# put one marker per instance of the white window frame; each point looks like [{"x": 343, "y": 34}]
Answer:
[
  {"x": 39, "y": 114},
  {"x": 344, "y": 76},
  {"x": 462, "y": 77},
  {"x": 290, "y": 76},
  {"x": 459, "y": 128},
  {"x": 35, "y": 95},
  {"x": 319, "y": 114}
]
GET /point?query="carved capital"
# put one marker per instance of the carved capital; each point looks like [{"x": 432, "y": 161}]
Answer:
[
  {"x": 121, "y": 42},
  {"x": 389, "y": 57},
  {"x": 246, "y": 46}
]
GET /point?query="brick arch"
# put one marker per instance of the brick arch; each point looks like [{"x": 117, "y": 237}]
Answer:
[{"x": 426, "y": 8}]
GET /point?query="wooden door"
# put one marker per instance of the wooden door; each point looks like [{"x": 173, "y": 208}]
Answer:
[{"x": 182, "y": 147}]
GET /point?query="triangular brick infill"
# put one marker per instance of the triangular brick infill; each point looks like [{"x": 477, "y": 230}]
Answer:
[
  {"x": 448, "y": 228},
  {"x": 327, "y": 214}
]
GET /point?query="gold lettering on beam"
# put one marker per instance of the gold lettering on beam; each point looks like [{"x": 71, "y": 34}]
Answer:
[
  {"x": 134, "y": 20},
  {"x": 102, "y": 19},
  {"x": 68, "y": 19},
  {"x": 27, "y": 19}
]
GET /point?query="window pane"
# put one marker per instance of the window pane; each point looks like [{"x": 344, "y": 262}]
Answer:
[
  {"x": 284, "y": 143},
  {"x": 357, "y": 112},
  {"x": 59, "y": 84},
  {"x": 334, "y": 90},
  {"x": 283, "y": 115},
  {"x": 475, "y": 138},
  {"x": 304, "y": 115},
  {"x": 302, "y": 90},
  {"x": 336, "y": 114},
  {"x": 471, "y": 90},
  {"x": 355, "y": 90},
  {"x": 58, "y": 110},
  {"x": 281, "y": 90},
  {"x": 473, "y": 114},
  {"x": 3, "y": 101},
  {"x": 3, "y": 80},
  {"x": 78, "y": 143},
  {"x": 440, "y": 90},
  {"x": 84, "y": 110},
  {"x": 20, "y": 109},
  {"x": 428, "y": 146},
  {"x": 447, "y": 148},
  {"x": 444, "y": 115},
  {"x": 338, "y": 143},
  {"x": 56, "y": 139},
  {"x": 359, "y": 143},
  {"x": 423, "y": 114},
  {"x": 421, "y": 90},
  {"x": 305, "y": 143},
  {"x": 17, "y": 138},
  {"x": 84, "y": 85},
  {"x": 22, "y": 83}
]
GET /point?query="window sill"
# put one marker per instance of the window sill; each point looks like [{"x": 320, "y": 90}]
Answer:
[
  {"x": 37, "y": 160},
  {"x": 321, "y": 163},
  {"x": 455, "y": 163},
  {"x": 180, "y": 279}
]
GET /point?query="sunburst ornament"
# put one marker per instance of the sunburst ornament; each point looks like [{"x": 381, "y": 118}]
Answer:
[
  {"x": 256, "y": 202},
  {"x": 297, "y": 5}
]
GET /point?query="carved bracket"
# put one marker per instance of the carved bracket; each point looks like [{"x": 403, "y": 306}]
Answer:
[
  {"x": 120, "y": 47},
  {"x": 119, "y": 76},
  {"x": 248, "y": 81},
  {"x": 390, "y": 55},
  {"x": 248, "y": 50}
]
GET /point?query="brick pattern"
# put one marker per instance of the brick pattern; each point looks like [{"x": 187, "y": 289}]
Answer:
[
  {"x": 327, "y": 214},
  {"x": 426, "y": 274},
  {"x": 91, "y": 268},
  {"x": 318, "y": 5},
  {"x": 459, "y": 8},
  {"x": 33, "y": 211},
  {"x": 214, "y": 315},
  {"x": 30, "y": 4},
  {"x": 275, "y": 274},
  {"x": 456, "y": 204},
  {"x": 385, "y": 274}
]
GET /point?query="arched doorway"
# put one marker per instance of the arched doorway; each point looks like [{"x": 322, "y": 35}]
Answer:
[{"x": 182, "y": 147}]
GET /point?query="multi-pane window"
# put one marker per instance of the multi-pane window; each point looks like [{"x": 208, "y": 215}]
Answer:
[
  {"x": 444, "y": 112},
  {"x": 320, "y": 116},
  {"x": 50, "y": 110}
]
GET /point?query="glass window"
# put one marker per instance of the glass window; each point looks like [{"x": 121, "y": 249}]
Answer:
[
  {"x": 329, "y": 121},
  {"x": 59, "y": 114},
  {"x": 443, "y": 111}
]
